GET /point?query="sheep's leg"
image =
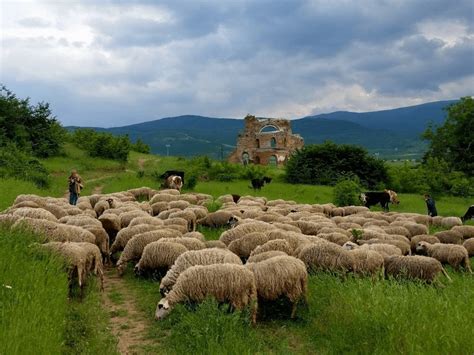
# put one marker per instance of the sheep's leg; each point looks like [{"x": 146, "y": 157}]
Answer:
[
  {"x": 467, "y": 264},
  {"x": 293, "y": 309},
  {"x": 446, "y": 274}
]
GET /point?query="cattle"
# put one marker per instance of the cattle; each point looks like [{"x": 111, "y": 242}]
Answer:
[
  {"x": 372, "y": 198},
  {"x": 169, "y": 173},
  {"x": 173, "y": 182},
  {"x": 468, "y": 215},
  {"x": 257, "y": 184}
]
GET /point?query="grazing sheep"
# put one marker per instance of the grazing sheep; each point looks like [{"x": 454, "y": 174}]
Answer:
[
  {"x": 103, "y": 205},
  {"x": 158, "y": 255},
  {"x": 127, "y": 217},
  {"x": 414, "y": 267},
  {"x": 36, "y": 213},
  {"x": 195, "y": 235},
  {"x": 163, "y": 197},
  {"x": 327, "y": 257},
  {"x": 422, "y": 238},
  {"x": 80, "y": 221},
  {"x": 215, "y": 244},
  {"x": 286, "y": 227},
  {"x": 367, "y": 262},
  {"x": 196, "y": 257},
  {"x": 9, "y": 218},
  {"x": 398, "y": 230},
  {"x": 293, "y": 239},
  {"x": 93, "y": 260},
  {"x": 111, "y": 224},
  {"x": 469, "y": 245},
  {"x": 382, "y": 249},
  {"x": 265, "y": 255},
  {"x": 218, "y": 219},
  {"x": 449, "y": 237},
  {"x": 57, "y": 210},
  {"x": 465, "y": 231},
  {"x": 124, "y": 235},
  {"x": 244, "y": 246},
  {"x": 413, "y": 228},
  {"x": 146, "y": 220},
  {"x": 334, "y": 237},
  {"x": 238, "y": 232},
  {"x": 187, "y": 215},
  {"x": 452, "y": 254},
  {"x": 134, "y": 248},
  {"x": 159, "y": 207},
  {"x": 199, "y": 211},
  {"x": 101, "y": 240},
  {"x": 281, "y": 276},
  {"x": 449, "y": 222},
  {"x": 189, "y": 243},
  {"x": 226, "y": 283},
  {"x": 179, "y": 204}
]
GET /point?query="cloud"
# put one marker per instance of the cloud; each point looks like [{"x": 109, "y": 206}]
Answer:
[{"x": 111, "y": 63}]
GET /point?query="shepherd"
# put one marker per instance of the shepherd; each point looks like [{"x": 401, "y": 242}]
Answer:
[{"x": 75, "y": 187}]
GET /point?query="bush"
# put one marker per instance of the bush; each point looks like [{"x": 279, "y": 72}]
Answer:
[
  {"x": 103, "y": 145},
  {"x": 327, "y": 163},
  {"x": 190, "y": 182},
  {"x": 252, "y": 171},
  {"x": 140, "y": 147},
  {"x": 17, "y": 164},
  {"x": 346, "y": 192}
]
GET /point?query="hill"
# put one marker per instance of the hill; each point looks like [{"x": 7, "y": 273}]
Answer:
[{"x": 390, "y": 133}]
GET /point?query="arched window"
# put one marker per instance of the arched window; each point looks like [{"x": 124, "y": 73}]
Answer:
[
  {"x": 272, "y": 160},
  {"x": 269, "y": 129},
  {"x": 245, "y": 158},
  {"x": 273, "y": 142}
]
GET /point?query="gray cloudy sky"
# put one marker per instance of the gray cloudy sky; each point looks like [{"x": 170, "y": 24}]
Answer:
[{"x": 111, "y": 63}]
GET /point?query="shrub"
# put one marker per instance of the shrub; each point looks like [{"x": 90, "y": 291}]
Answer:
[
  {"x": 140, "y": 147},
  {"x": 140, "y": 173},
  {"x": 252, "y": 171},
  {"x": 103, "y": 145},
  {"x": 346, "y": 192},
  {"x": 190, "y": 182},
  {"x": 327, "y": 163}
]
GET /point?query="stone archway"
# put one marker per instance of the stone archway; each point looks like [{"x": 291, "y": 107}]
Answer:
[
  {"x": 273, "y": 161},
  {"x": 269, "y": 128}
]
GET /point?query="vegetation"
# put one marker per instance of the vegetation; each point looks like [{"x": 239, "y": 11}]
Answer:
[
  {"x": 140, "y": 147},
  {"x": 325, "y": 164},
  {"x": 346, "y": 193},
  {"x": 452, "y": 142}
]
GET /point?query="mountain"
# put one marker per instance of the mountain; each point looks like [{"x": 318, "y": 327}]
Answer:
[{"x": 390, "y": 133}]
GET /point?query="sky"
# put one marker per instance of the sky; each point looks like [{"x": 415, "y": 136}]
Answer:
[{"x": 114, "y": 63}]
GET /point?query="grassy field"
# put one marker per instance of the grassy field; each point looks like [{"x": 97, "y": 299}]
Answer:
[{"x": 352, "y": 315}]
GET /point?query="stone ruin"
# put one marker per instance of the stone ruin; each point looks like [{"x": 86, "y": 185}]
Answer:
[{"x": 265, "y": 141}]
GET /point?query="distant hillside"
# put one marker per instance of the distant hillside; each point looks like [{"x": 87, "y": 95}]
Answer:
[{"x": 391, "y": 133}]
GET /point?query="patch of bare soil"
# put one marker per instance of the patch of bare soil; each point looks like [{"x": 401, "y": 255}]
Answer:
[
  {"x": 141, "y": 163},
  {"x": 97, "y": 190},
  {"x": 127, "y": 323}
]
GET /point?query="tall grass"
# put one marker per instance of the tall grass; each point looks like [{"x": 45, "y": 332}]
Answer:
[{"x": 33, "y": 296}]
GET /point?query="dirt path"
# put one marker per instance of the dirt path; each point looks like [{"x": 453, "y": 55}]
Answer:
[
  {"x": 127, "y": 323},
  {"x": 141, "y": 163},
  {"x": 97, "y": 190}
]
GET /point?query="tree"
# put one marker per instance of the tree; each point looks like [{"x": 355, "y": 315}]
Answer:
[
  {"x": 328, "y": 163},
  {"x": 141, "y": 147},
  {"x": 453, "y": 142}
]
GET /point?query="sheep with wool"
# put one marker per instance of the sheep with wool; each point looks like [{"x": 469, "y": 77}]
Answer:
[{"x": 452, "y": 254}]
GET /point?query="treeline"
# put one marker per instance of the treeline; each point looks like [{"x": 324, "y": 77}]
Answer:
[{"x": 29, "y": 132}]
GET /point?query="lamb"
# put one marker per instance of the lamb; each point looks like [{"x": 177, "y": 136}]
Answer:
[
  {"x": 218, "y": 219},
  {"x": 415, "y": 267},
  {"x": 265, "y": 255},
  {"x": 281, "y": 276},
  {"x": 244, "y": 246},
  {"x": 196, "y": 257},
  {"x": 327, "y": 256},
  {"x": 158, "y": 255},
  {"x": 422, "y": 237},
  {"x": 469, "y": 245},
  {"x": 452, "y": 254},
  {"x": 226, "y": 283},
  {"x": 449, "y": 237},
  {"x": 273, "y": 245},
  {"x": 134, "y": 248}
]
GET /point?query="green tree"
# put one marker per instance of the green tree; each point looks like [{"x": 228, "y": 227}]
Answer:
[
  {"x": 346, "y": 192},
  {"x": 453, "y": 142},
  {"x": 328, "y": 163},
  {"x": 140, "y": 147}
]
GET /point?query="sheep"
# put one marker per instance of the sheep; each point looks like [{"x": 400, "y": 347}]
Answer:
[
  {"x": 449, "y": 222},
  {"x": 235, "y": 233},
  {"x": 449, "y": 237},
  {"x": 195, "y": 235},
  {"x": 127, "y": 217},
  {"x": 111, "y": 224},
  {"x": 93, "y": 260},
  {"x": 179, "y": 204},
  {"x": 414, "y": 267},
  {"x": 422, "y": 237},
  {"x": 101, "y": 239},
  {"x": 80, "y": 221},
  {"x": 199, "y": 211},
  {"x": 399, "y": 230},
  {"x": 165, "y": 214},
  {"x": 244, "y": 246},
  {"x": 264, "y": 256},
  {"x": 452, "y": 254},
  {"x": 226, "y": 283},
  {"x": 146, "y": 220},
  {"x": 163, "y": 197},
  {"x": 36, "y": 213},
  {"x": 188, "y": 215},
  {"x": 382, "y": 249},
  {"x": 189, "y": 243},
  {"x": 193, "y": 200},
  {"x": 334, "y": 237},
  {"x": 103, "y": 205},
  {"x": 465, "y": 231},
  {"x": 469, "y": 245},
  {"x": 142, "y": 192},
  {"x": 196, "y": 257},
  {"x": 326, "y": 256},
  {"x": 134, "y": 248},
  {"x": 158, "y": 255},
  {"x": 218, "y": 219},
  {"x": 215, "y": 244},
  {"x": 293, "y": 239},
  {"x": 159, "y": 207},
  {"x": 31, "y": 204},
  {"x": 9, "y": 218},
  {"x": 286, "y": 227},
  {"x": 177, "y": 223},
  {"x": 334, "y": 229},
  {"x": 403, "y": 246},
  {"x": 124, "y": 236},
  {"x": 367, "y": 262},
  {"x": 280, "y": 276},
  {"x": 57, "y": 210}
]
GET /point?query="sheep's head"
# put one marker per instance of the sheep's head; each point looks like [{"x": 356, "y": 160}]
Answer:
[
  {"x": 422, "y": 247},
  {"x": 232, "y": 221},
  {"x": 162, "y": 309},
  {"x": 350, "y": 245},
  {"x": 137, "y": 271},
  {"x": 120, "y": 269}
]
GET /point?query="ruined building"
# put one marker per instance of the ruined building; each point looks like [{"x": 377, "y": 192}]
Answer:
[{"x": 266, "y": 141}]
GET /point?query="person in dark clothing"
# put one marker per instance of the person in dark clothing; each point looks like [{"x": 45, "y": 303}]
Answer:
[
  {"x": 75, "y": 187},
  {"x": 430, "y": 204}
]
